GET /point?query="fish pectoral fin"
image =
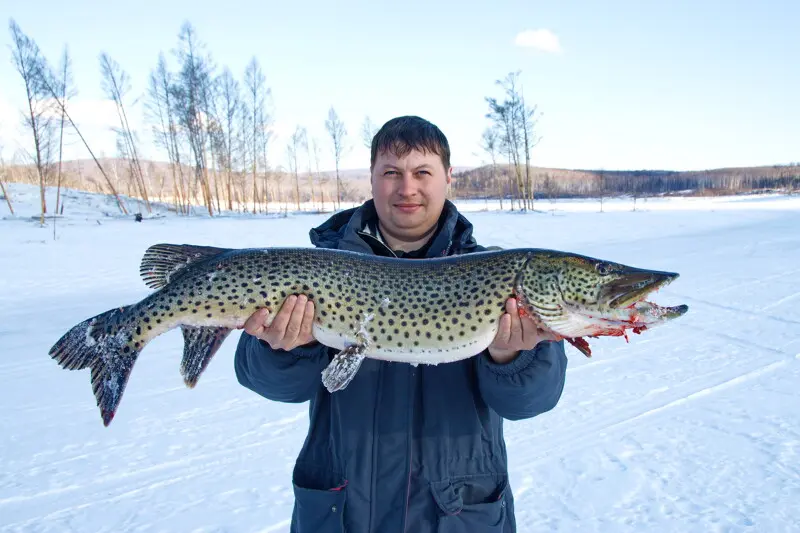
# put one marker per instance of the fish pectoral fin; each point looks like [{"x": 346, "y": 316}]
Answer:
[
  {"x": 344, "y": 367},
  {"x": 162, "y": 261},
  {"x": 199, "y": 346},
  {"x": 581, "y": 344}
]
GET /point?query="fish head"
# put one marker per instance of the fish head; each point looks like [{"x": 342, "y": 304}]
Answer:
[{"x": 575, "y": 296}]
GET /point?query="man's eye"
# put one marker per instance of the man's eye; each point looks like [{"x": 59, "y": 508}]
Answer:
[{"x": 389, "y": 173}]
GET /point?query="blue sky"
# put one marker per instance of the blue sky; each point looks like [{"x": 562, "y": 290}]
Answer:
[{"x": 620, "y": 84}]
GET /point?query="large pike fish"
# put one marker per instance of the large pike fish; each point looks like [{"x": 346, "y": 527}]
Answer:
[{"x": 427, "y": 311}]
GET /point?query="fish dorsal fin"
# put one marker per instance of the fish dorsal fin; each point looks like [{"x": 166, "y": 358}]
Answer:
[{"x": 162, "y": 261}]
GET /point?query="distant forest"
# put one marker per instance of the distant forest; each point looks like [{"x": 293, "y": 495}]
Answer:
[{"x": 492, "y": 181}]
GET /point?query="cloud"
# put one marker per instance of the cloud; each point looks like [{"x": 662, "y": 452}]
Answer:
[{"x": 543, "y": 40}]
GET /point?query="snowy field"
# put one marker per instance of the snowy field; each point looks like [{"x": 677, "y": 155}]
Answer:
[{"x": 691, "y": 427}]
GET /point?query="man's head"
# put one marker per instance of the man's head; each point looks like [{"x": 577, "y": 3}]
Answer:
[
  {"x": 403, "y": 134},
  {"x": 410, "y": 166}
]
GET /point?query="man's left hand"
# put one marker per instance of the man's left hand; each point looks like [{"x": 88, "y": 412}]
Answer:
[{"x": 516, "y": 333}]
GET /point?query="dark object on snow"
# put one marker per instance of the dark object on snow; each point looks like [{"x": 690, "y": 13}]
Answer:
[{"x": 138, "y": 217}]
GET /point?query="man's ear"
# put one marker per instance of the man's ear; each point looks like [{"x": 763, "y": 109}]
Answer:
[{"x": 449, "y": 175}]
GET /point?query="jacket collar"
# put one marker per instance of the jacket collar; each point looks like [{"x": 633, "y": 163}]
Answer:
[{"x": 355, "y": 229}]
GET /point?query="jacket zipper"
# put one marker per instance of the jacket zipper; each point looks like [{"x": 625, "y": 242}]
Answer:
[
  {"x": 410, "y": 443},
  {"x": 373, "y": 480}
]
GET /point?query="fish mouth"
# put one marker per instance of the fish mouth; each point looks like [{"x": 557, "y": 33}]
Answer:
[{"x": 633, "y": 287}]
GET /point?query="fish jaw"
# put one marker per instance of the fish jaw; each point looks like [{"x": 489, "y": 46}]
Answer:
[
  {"x": 633, "y": 286},
  {"x": 637, "y": 317},
  {"x": 576, "y": 324},
  {"x": 579, "y": 297}
]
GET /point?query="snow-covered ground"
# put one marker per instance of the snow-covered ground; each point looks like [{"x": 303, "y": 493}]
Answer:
[{"x": 691, "y": 427}]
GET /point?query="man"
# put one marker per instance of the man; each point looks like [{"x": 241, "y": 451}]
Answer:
[{"x": 403, "y": 448}]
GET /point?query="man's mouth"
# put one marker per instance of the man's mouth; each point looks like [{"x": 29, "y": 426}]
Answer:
[{"x": 407, "y": 208}]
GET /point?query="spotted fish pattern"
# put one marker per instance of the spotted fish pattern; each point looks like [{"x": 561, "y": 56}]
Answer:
[{"x": 428, "y": 311}]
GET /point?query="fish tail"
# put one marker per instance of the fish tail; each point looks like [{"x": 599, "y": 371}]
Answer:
[{"x": 109, "y": 345}]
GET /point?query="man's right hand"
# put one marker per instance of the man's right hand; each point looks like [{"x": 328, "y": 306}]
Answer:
[{"x": 290, "y": 328}]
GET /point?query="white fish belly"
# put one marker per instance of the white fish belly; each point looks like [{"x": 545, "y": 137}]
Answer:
[{"x": 445, "y": 352}]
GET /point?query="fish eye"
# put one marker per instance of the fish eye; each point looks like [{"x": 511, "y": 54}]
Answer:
[{"x": 603, "y": 269}]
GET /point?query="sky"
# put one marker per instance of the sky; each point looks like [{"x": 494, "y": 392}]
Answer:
[{"x": 679, "y": 85}]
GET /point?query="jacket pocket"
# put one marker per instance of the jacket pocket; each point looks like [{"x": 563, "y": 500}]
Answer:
[
  {"x": 316, "y": 509},
  {"x": 475, "y": 504}
]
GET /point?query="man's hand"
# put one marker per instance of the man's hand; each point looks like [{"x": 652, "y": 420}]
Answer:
[
  {"x": 516, "y": 333},
  {"x": 290, "y": 328}
]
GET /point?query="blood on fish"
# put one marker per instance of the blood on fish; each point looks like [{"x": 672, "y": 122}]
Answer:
[
  {"x": 521, "y": 311},
  {"x": 581, "y": 344}
]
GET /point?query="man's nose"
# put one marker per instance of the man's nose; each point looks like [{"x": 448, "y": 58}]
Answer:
[{"x": 406, "y": 187}]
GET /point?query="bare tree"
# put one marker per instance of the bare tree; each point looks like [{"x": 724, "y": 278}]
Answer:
[
  {"x": 231, "y": 102},
  {"x": 295, "y": 144},
  {"x": 67, "y": 92},
  {"x": 530, "y": 139},
  {"x": 501, "y": 117},
  {"x": 191, "y": 92},
  {"x": 50, "y": 87},
  {"x": 514, "y": 116},
  {"x": 30, "y": 65},
  {"x": 2, "y": 178},
  {"x": 254, "y": 82},
  {"x": 116, "y": 84},
  {"x": 265, "y": 136},
  {"x": 602, "y": 186},
  {"x": 338, "y": 132},
  {"x": 165, "y": 130},
  {"x": 516, "y": 123},
  {"x": 490, "y": 143},
  {"x": 306, "y": 146},
  {"x": 368, "y": 131},
  {"x": 322, "y": 182}
]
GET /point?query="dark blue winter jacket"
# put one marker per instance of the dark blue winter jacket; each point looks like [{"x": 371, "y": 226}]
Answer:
[{"x": 403, "y": 448}]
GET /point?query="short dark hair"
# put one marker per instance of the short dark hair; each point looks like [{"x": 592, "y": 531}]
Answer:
[{"x": 403, "y": 134}]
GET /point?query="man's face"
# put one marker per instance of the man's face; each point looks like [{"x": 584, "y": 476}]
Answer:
[{"x": 409, "y": 193}]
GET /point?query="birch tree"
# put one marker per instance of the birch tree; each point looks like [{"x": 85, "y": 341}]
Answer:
[
  {"x": 231, "y": 102},
  {"x": 67, "y": 92},
  {"x": 191, "y": 92},
  {"x": 338, "y": 132},
  {"x": 292, "y": 149},
  {"x": 368, "y": 131},
  {"x": 490, "y": 143},
  {"x": 116, "y": 84},
  {"x": 254, "y": 81},
  {"x": 48, "y": 81},
  {"x": 30, "y": 64},
  {"x": 161, "y": 111}
]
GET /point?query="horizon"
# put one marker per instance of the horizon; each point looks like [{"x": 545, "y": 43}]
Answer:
[
  {"x": 622, "y": 87},
  {"x": 456, "y": 168}
]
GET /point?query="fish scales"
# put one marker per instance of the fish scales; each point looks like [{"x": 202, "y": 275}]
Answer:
[{"x": 428, "y": 311}]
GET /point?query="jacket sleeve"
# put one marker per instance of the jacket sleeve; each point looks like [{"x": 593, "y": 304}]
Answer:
[
  {"x": 528, "y": 385},
  {"x": 279, "y": 375}
]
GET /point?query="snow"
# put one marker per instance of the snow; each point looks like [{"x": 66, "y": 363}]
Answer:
[{"x": 691, "y": 427}]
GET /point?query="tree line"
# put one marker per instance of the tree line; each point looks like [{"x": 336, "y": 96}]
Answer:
[
  {"x": 214, "y": 128},
  {"x": 216, "y": 131},
  {"x": 499, "y": 180}
]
